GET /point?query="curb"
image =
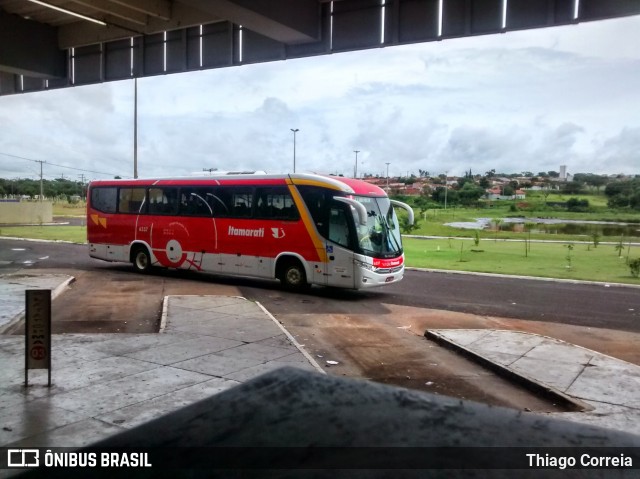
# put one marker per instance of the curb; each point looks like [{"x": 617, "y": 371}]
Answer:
[
  {"x": 14, "y": 322},
  {"x": 308, "y": 357},
  {"x": 571, "y": 403},
  {"x": 533, "y": 278},
  {"x": 293, "y": 340}
]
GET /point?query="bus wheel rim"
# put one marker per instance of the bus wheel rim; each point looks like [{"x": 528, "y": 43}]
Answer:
[
  {"x": 293, "y": 276},
  {"x": 141, "y": 260}
]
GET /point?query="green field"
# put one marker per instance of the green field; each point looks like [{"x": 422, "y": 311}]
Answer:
[
  {"x": 544, "y": 259},
  {"x": 62, "y": 209},
  {"x": 451, "y": 252},
  {"x": 74, "y": 234}
]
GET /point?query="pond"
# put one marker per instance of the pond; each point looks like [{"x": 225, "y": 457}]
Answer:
[{"x": 556, "y": 226}]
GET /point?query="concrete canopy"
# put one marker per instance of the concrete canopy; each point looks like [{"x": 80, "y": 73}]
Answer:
[{"x": 46, "y": 44}]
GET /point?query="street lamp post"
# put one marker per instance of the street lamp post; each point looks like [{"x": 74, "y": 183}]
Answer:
[
  {"x": 388, "y": 176},
  {"x": 294, "y": 130},
  {"x": 135, "y": 128},
  {"x": 355, "y": 169},
  {"x": 446, "y": 188}
]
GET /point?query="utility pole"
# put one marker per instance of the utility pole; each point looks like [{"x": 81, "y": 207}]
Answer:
[
  {"x": 355, "y": 169},
  {"x": 81, "y": 185},
  {"x": 210, "y": 169},
  {"x": 294, "y": 130},
  {"x": 446, "y": 188},
  {"x": 388, "y": 177},
  {"x": 135, "y": 128},
  {"x": 41, "y": 185}
]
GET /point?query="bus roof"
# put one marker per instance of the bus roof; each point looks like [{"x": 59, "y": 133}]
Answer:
[{"x": 339, "y": 183}]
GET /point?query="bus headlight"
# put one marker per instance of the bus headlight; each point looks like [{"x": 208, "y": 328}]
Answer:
[{"x": 368, "y": 267}]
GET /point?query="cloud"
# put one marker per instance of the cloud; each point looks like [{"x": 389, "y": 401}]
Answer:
[
  {"x": 530, "y": 100},
  {"x": 618, "y": 154}
]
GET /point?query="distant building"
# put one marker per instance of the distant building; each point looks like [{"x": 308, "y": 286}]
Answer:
[
  {"x": 563, "y": 172},
  {"x": 495, "y": 193}
]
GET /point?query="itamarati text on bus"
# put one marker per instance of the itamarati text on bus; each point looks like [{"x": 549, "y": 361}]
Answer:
[{"x": 300, "y": 228}]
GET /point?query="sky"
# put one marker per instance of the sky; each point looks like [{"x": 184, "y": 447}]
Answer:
[{"x": 521, "y": 101}]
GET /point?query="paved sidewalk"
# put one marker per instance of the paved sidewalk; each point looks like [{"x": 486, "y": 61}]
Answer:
[
  {"x": 106, "y": 383},
  {"x": 13, "y": 286},
  {"x": 608, "y": 388}
]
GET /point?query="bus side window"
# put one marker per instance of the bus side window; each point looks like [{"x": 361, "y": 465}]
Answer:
[
  {"x": 132, "y": 200},
  {"x": 163, "y": 201},
  {"x": 155, "y": 201},
  {"x": 104, "y": 199},
  {"x": 193, "y": 202},
  {"x": 242, "y": 201},
  {"x": 275, "y": 203},
  {"x": 220, "y": 202}
]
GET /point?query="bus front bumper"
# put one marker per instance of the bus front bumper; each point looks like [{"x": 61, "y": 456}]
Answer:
[{"x": 366, "y": 278}]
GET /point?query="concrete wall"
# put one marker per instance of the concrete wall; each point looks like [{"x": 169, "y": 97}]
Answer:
[{"x": 26, "y": 212}]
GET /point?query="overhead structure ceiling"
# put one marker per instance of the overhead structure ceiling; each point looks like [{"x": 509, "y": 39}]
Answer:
[{"x": 59, "y": 43}]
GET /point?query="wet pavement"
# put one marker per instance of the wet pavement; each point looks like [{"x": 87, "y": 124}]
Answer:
[
  {"x": 106, "y": 383},
  {"x": 103, "y": 384},
  {"x": 605, "y": 390}
]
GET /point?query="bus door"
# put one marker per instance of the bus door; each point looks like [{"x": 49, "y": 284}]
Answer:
[
  {"x": 241, "y": 238},
  {"x": 196, "y": 220},
  {"x": 339, "y": 269}
]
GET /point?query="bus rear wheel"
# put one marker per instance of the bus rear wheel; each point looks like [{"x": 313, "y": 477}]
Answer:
[
  {"x": 141, "y": 259},
  {"x": 293, "y": 276}
]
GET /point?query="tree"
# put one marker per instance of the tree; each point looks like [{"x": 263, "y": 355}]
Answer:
[
  {"x": 463, "y": 181},
  {"x": 596, "y": 181},
  {"x": 439, "y": 195},
  {"x": 623, "y": 193},
  {"x": 423, "y": 203},
  {"x": 470, "y": 193},
  {"x": 497, "y": 222},
  {"x": 409, "y": 228},
  {"x": 634, "y": 267},
  {"x": 572, "y": 187},
  {"x": 576, "y": 205}
]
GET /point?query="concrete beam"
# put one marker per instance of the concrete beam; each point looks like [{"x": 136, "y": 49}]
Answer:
[
  {"x": 155, "y": 8},
  {"x": 29, "y": 48},
  {"x": 86, "y": 33},
  {"x": 116, "y": 11},
  {"x": 287, "y": 21}
]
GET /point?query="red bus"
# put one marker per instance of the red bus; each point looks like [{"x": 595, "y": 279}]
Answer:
[{"x": 299, "y": 228}]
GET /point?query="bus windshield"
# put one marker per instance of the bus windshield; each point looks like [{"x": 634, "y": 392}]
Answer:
[{"x": 380, "y": 237}]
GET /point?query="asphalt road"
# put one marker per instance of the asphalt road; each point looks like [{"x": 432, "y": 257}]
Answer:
[
  {"x": 598, "y": 306},
  {"x": 372, "y": 334}
]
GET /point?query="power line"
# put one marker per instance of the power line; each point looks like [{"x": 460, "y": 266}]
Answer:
[{"x": 61, "y": 166}]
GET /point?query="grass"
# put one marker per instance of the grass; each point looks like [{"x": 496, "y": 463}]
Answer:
[
  {"x": 543, "y": 260},
  {"x": 74, "y": 234},
  {"x": 454, "y": 253},
  {"x": 62, "y": 209}
]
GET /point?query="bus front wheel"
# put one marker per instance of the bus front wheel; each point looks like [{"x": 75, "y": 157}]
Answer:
[
  {"x": 293, "y": 276},
  {"x": 141, "y": 259}
]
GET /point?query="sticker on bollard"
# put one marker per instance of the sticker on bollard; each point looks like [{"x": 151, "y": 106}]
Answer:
[{"x": 37, "y": 331}]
